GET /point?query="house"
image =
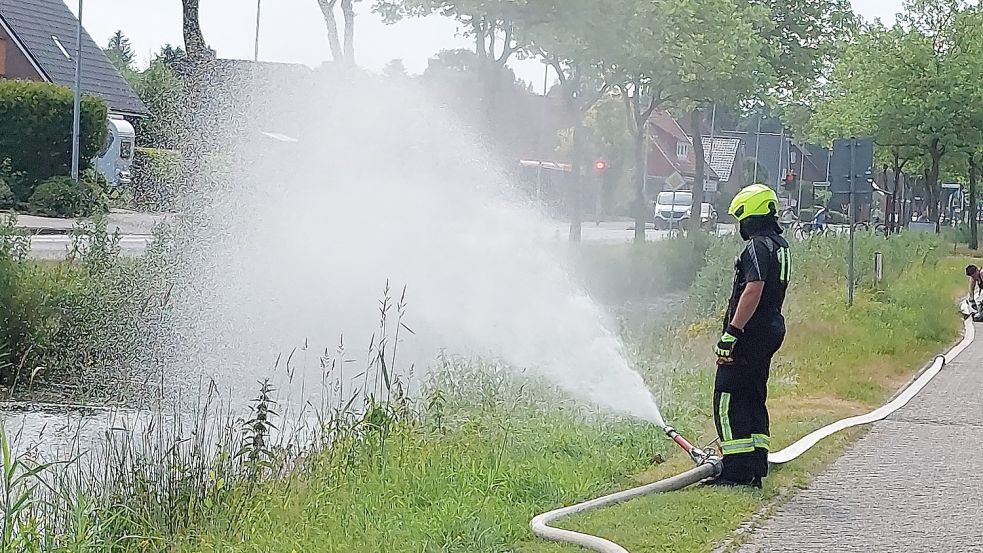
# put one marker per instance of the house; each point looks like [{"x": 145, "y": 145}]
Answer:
[
  {"x": 772, "y": 151},
  {"x": 726, "y": 156},
  {"x": 38, "y": 42},
  {"x": 670, "y": 153}
]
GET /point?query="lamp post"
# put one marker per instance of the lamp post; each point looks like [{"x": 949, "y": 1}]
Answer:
[
  {"x": 77, "y": 110},
  {"x": 259, "y": 6}
]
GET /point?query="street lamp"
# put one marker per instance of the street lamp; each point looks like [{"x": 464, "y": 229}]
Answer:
[
  {"x": 77, "y": 109},
  {"x": 259, "y": 6}
]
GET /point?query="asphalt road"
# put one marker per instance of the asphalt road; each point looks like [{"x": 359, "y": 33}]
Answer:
[{"x": 56, "y": 247}]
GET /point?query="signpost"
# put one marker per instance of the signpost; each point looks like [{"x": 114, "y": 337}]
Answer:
[
  {"x": 852, "y": 165},
  {"x": 675, "y": 181}
]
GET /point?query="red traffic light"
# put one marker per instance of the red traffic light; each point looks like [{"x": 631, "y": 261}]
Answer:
[{"x": 600, "y": 165}]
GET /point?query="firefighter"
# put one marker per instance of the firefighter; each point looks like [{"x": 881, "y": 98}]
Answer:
[
  {"x": 975, "y": 284},
  {"x": 754, "y": 330}
]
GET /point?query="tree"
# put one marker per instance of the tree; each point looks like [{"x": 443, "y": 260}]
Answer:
[
  {"x": 343, "y": 53},
  {"x": 572, "y": 36},
  {"x": 901, "y": 86},
  {"x": 802, "y": 40},
  {"x": 120, "y": 52},
  {"x": 194, "y": 40},
  {"x": 966, "y": 62},
  {"x": 492, "y": 24},
  {"x": 719, "y": 56},
  {"x": 172, "y": 56},
  {"x": 162, "y": 92},
  {"x": 395, "y": 69}
]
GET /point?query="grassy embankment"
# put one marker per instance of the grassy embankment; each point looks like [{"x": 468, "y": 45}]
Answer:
[{"x": 465, "y": 469}]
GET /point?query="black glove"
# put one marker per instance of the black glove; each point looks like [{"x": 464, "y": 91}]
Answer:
[{"x": 725, "y": 347}]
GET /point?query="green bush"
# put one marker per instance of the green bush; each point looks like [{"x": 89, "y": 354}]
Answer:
[
  {"x": 7, "y": 199},
  {"x": 63, "y": 197},
  {"x": 641, "y": 271},
  {"x": 73, "y": 323},
  {"x": 157, "y": 176},
  {"x": 9, "y": 181},
  {"x": 36, "y": 133}
]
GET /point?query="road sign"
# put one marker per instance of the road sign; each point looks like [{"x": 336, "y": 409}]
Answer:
[
  {"x": 675, "y": 181},
  {"x": 851, "y": 172},
  {"x": 852, "y": 157},
  {"x": 710, "y": 185}
]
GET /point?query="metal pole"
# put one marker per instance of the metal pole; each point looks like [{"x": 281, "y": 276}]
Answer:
[
  {"x": 77, "y": 109},
  {"x": 259, "y": 5},
  {"x": 781, "y": 159},
  {"x": 757, "y": 146},
  {"x": 713, "y": 122},
  {"x": 853, "y": 220},
  {"x": 802, "y": 169}
]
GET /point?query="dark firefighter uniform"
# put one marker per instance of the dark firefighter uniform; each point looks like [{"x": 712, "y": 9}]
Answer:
[{"x": 744, "y": 355}]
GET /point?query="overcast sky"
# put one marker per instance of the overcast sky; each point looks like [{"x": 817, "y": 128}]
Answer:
[{"x": 293, "y": 31}]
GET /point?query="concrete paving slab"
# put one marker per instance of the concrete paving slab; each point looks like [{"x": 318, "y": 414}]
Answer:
[{"x": 913, "y": 484}]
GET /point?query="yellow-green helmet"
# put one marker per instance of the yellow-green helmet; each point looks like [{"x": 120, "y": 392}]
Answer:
[{"x": 756, "y": 199}]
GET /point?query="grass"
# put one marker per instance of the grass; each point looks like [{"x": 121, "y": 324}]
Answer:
[{"x": 464, "y": 466}]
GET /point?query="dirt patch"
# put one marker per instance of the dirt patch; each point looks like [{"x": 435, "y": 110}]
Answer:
[{"x": 788, "y": 407}]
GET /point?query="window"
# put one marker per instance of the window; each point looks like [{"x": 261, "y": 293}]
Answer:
[
  {"x": 61, "y": 47},
  {"x": 682, "y": 150},
  {"x": 107, "y": 145},
  {"x": 3, "y": 57},
  {"x": 794, "y": 157},
  {"x": 126, "y": 149}
]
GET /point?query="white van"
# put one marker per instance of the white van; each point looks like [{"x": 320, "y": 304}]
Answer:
[{"x": 672, "y": 209}]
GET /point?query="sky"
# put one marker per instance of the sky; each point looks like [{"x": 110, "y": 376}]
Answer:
[{"x": 293, "y": 31}]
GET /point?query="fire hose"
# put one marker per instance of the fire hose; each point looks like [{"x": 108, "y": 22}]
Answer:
[{"x": 708, "y": 463}]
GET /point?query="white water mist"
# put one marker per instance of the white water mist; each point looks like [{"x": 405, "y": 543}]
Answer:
[{"x": 383, "y": 185}]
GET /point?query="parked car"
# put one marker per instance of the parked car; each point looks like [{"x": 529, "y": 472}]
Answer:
[
  {"x": 672, "y": 209},
  {"x": 708, "y": 216}
]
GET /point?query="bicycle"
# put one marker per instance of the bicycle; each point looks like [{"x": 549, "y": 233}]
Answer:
[{"x": 804, "y": 230}]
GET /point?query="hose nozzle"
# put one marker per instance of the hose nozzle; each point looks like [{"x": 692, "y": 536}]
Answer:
[{"x": 696, "y": 454}]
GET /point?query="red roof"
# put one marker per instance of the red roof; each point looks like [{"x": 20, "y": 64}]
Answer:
[{"x": 663, "y": 158}]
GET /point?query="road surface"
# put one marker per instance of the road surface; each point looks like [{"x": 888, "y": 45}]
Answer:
[
  {"x": 911, "y": 485},
  {"x": 57, "y": 247}
]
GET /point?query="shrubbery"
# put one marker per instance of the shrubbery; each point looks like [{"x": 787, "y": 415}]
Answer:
[
  {"x": 36, "y": 133},
  {"x": 156, "y": 178},
  {"x": 73, "y": 323},
  {"x": 63, "y": 197}
]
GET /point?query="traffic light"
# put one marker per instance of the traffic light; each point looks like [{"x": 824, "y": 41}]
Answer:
[{"x": 600, "y": 165}]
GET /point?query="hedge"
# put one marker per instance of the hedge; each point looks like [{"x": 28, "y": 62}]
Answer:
[
  {"x": 36, "y": 130},
  {"x": 157, "y": 175}
]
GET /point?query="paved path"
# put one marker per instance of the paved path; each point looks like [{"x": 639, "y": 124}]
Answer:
[{"x": 914, "y": 483}]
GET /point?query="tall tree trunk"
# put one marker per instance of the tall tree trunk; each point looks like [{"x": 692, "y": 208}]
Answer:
[
  {"x": 893, "y": 217},
  {"x": 696, "y": 213},
  {"x": 490, "y": 75},
  {"x": 331, "y": 22},
  {"x": 974, "y": 173},
  {"x": 932, "y": 186},
  {"x": 641, "y": 214},
  {"x": 577, "y": 183},
  {"x": 349, "y": 12},
  {"x": 194, "y": 40}
]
